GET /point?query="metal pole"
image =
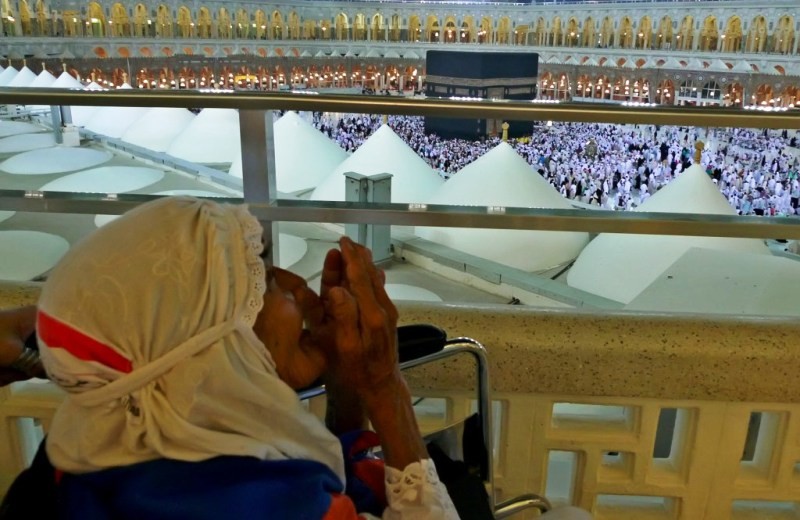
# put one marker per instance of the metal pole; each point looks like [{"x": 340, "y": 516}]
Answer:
[{"x": 258, "y": 171}]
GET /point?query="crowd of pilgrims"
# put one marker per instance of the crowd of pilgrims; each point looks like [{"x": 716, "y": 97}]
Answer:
[{"x": 756, "y": 170}]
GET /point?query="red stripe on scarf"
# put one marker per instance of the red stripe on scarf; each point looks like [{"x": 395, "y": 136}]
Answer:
[{"x": 60, "y": 335}]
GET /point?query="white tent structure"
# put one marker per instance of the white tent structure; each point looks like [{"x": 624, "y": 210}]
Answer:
[
  {"x": 158, "y": 127},
  {"x": 65, "y": 80},
  {"x": 502, "y": 178},
  {"x": 303, "y": 155},
  {"x": 80, "y": 114},
  {"x": 211, "y": 138},
  {"x": 709, "y": 281},
  {"x": 619, "y": 266},
  {"x": 7, "y": 76},
  {"x": 43, "y": 80},
  {"x": 93, "y": 86},
  {"x": 114, "y": 121},
  {"x": 384, "y": 152},
  {"x": 24, "y": 78}
]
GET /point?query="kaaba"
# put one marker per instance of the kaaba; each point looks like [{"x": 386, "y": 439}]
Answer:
[{"x": 486, "y": 75}]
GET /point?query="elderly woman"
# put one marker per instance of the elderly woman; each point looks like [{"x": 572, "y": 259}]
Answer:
[{"x": 180, "y": 353}]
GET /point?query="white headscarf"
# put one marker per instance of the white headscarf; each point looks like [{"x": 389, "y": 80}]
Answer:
[{"x": 147, "y": 324}]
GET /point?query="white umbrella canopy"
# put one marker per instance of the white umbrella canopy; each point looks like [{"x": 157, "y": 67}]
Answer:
[
  {"x": 502, "y": 178},
  {"x": 114, "y": 121},
  {"x": 66, "y": 80},
  {"x": 384, "y": 152},
  {"x": 211, "y": 138},
  {"x": 24, "y": 78},
  {"x": 619, "y": 266},
  {"x": 43, "y": 80},
  {"x": 303, "y": 155},
  {"x": 158, "y": 127},
  {"x": 7, "y": 76}
]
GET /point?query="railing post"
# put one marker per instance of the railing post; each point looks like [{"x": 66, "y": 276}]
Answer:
[
  {"x": 258, "y": 169},
  {"x": 57, "y": 122},
  {"x": 377, "y": 188}
]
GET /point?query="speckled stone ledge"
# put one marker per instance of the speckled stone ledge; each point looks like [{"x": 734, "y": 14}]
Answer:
[
  {"x": 16, "y": 294},
  {"x": 614, "y": 354},
  {"x": 619, "y": 354}
]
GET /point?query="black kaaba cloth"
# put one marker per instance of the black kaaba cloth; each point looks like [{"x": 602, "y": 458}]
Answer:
[{"x": 485, "y": 75}]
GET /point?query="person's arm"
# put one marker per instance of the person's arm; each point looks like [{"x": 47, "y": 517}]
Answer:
[
  {"x": 344, "y": 411},
  {"x": 366, "y": 350},
  {"x": 366, "y": 355},
  {"x": 16, "y": 362}
]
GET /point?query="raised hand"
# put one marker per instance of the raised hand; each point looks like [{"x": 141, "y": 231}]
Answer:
[
  {"x": 365, "y": 321},
  {"x": 289, "y": 305},
  {"x": 15, "y": 326}
]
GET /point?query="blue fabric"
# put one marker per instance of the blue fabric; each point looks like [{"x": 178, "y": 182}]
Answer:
[{"x": 215, "y": 489}]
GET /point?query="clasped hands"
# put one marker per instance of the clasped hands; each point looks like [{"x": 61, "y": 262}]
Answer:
[{"x": 349, "y": 330}]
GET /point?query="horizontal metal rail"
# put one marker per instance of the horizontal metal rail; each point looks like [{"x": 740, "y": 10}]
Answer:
[
  {"x": 493, "y": 109},
  {"x": 439, "y": 216}
]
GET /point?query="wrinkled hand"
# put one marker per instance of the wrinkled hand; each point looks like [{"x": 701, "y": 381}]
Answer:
[
  {"x": 15, "y": 326},
  {"x": 364, "y": 322},
  {"x": 289, "y": 305}
]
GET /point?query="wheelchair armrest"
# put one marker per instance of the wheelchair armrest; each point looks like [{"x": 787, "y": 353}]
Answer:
[{"x": 419, "y": 340}]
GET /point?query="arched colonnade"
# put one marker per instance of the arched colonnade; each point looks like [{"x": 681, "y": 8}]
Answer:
[{"x": 735, "y": 33}]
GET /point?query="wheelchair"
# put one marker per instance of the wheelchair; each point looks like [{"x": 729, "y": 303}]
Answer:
[{"x": 468, "y": 441}]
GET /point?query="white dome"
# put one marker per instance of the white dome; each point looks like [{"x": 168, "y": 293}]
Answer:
[
  {"x": 23, "y": 78},
  {"x": 619, "y": 266},
  {"x": 158, "y": 127},
  {"x": 384, "y": 152},
  {"x": 211, "y": 137},
  {"x": 502, "y": 178},
  {"x": 114, "y": 121}
]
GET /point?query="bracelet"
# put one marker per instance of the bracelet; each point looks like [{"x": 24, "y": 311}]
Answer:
[{"x": 28, "y": 362}]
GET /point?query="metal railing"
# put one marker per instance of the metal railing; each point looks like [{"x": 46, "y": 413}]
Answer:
[{"x": 255, "y": 106}]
